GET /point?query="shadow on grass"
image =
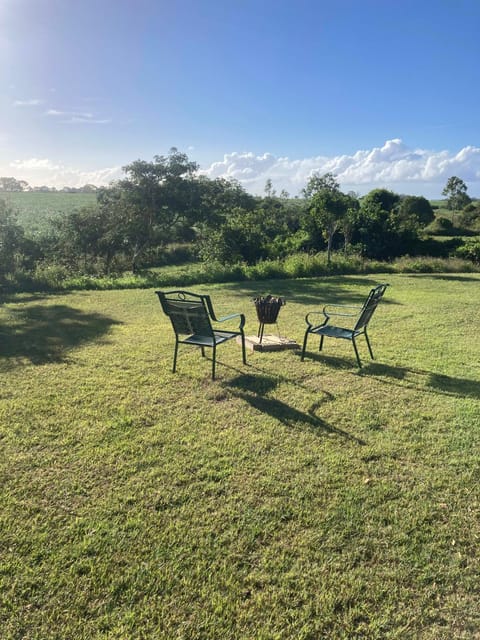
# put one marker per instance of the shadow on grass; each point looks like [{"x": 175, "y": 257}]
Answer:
[
  {"x": 12, "y": 298},
  {"x": 443, "y": 276},
  {"x": 426, "y": 380},
  {"x": 334, "y": 361},
  {"x": 312, "y": 291},
  {"x": 254, "y": 389},
  {"x": 44, "y": 333}
]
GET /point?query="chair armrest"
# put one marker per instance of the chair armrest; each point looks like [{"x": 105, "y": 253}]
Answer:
[
  {"x": 327, "y": 310},
  {"x": 315, "y": 313},
  {"x": 231, "y": 316}
]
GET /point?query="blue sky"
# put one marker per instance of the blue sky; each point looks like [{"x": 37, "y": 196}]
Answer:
[{"x": 380, "y": 92}]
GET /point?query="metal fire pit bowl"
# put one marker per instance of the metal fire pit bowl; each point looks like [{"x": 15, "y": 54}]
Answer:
[{"x": 268, "y": 308}]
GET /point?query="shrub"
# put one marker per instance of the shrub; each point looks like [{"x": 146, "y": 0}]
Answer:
[
  {"x": 440, "y": 226},
  {"x": 470, "y": 251},
  {"x": 427, "y": 264}
]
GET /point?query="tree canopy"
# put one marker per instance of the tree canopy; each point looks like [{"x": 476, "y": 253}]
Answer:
[{"x": 456, "y": 192}]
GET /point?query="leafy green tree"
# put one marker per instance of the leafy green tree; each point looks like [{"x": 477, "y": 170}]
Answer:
[
  {"x": 269, "y": 190},
  {"x": 89, "y": 239},
  {"x": 11, "y": 240},
  {"x": 350, "y": 220},
  {"x": 217, "y": 198},
  {"x": 456, "y": 192},
  {"x": 318, "y": 182},
  {"x": 242, "y": 237},
  {"x": 417, "y": 206},
  {"x": 154, "y": 200},
  {"x": 470, "y": 216},
  {"x": 381, "y": 230},
  {"x": 387, "y": 200},
  {"x": 12, "y": 184},
  {"x": 326, "y": 207}
]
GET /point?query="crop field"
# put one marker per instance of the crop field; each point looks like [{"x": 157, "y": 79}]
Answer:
[
  {"x": 284, "y": 500},
  {"x": 34, "y": 210}
]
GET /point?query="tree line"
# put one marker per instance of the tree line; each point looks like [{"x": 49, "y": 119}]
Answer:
[
  {"x": 12, "y": 185},
  {"x": 166, "y": 201}
]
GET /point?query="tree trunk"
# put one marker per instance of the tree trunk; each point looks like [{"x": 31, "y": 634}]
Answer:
[{"x": 329, "y": 248}]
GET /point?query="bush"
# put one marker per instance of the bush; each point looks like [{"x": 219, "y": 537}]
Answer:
[
  {"x": 440, "y": 226},
  {"x": 428, "y": 264},
  {"x": 470, "y": 250}
]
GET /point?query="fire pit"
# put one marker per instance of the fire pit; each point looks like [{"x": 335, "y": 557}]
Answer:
[{"x": 268, "y": 307}]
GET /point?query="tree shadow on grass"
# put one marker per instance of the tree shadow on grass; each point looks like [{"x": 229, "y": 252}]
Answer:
[
  {"x": 443, "y": 276},
  {"x": 312, "y": 291},
  {"x": 44, "y": 333},
  {"x": 254, "y": 389},
  {"x": 424, "y": 380}
]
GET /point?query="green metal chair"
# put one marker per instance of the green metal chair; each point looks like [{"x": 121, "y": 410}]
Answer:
[
  {"x": 191, "y": 316},
  {"x": 359, "y": 318}
]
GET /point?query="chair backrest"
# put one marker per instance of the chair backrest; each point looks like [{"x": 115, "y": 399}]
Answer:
[
  {"x": 189, "y": 312},
  {"x": 369, "y": 306}
]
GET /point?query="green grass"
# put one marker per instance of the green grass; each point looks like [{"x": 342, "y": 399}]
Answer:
[
  {"x": 34, "y": 210},
  {"x": 284, "y": 500}
]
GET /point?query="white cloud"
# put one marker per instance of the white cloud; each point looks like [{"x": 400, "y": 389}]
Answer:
[
  {"x": 75, "y": 117},
  {"x": 394, "y": 166},
  {"x": 85, "y": 120},
  {"x": 33, "y": 102},
  {"x": 42, "y": 171}
]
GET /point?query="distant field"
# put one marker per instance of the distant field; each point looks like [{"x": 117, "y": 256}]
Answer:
[{"x": 36, "y": 209}]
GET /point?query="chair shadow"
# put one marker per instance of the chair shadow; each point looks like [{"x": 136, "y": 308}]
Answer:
[
  {"x": 424, "y": 380},
  {"x": 333, "y": 361},
  {"x": 44, "y": 333},
  {"x": 254, "y": 389}
]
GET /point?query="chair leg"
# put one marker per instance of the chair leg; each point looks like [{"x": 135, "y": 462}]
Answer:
[
  {"x": 368, "y": 344},
  {"x": 320, "y": 347},
  {"x": 214, "y": 356},
  {"x": 244, "y": 355},
  {"x": 304, "y": 345},
  {"x": 175, "y": 357},
  {"x": 203, "y": 351},
  {"x": 356, "y": 353}
]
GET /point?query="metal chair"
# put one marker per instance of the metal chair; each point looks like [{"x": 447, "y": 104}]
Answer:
[
  {"x": 360, "y": 318},
  {"x": 191, "y": 316}
]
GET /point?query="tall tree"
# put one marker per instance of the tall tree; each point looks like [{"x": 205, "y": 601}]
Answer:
[
  {"x": 350, "y": 219},
  {"x": 326, "y": 207},
  {"x": 152, "y": 200},
  {"x": 269, "y": 190},
  {"x": 318, "y": 182},
  {"x": 456, "y": 192}
]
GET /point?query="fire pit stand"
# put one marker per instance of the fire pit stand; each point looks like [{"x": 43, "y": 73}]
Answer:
[{"x": 267, "y": 308}]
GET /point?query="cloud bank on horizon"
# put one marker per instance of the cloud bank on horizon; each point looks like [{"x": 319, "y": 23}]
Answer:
[{"x": 394, "y": 166}]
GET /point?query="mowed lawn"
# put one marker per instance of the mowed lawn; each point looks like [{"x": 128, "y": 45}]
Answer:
[{"x": 284, "y": 500}]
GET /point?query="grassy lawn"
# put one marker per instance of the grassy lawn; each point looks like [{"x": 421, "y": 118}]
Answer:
[{"x": 284, "y": 500}]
